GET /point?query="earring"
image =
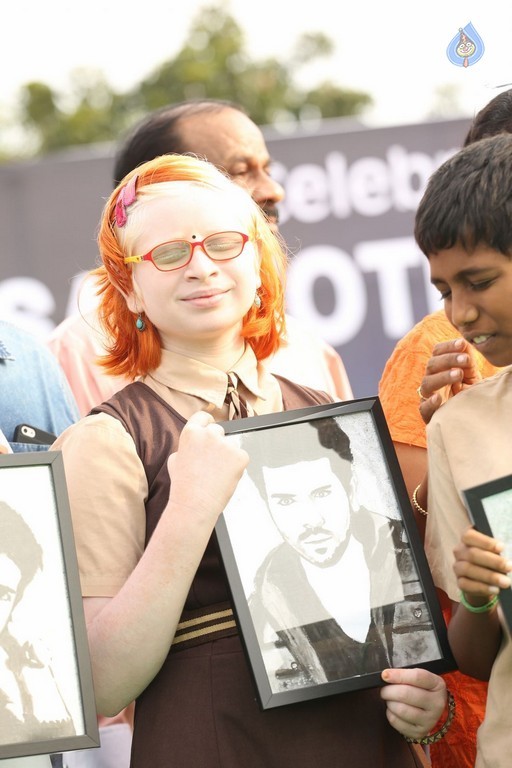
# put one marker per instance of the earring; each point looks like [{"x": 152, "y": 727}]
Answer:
[
  {"x": 140, "y": 324},
  {"x": 257, "y": 300}
]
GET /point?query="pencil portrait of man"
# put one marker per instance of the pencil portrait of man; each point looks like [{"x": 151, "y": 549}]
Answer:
[{"x": 338, "y": 595}]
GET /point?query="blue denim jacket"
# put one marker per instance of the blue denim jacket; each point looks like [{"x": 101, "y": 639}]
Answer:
[{"x": 33, "y": 388}]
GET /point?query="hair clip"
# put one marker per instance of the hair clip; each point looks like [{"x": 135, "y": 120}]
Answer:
[{"x": 126, "y": 197}]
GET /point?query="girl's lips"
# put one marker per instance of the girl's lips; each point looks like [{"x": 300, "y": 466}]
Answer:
[
  {"x": 204, "y": 295},
  {"x": 205, "y": 299}
]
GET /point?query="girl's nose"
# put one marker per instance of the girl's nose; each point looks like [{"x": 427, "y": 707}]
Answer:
[{"x": 200, "y": 264}]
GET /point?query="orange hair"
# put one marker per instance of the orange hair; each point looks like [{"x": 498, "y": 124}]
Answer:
[{"x": 133, "y": 353}]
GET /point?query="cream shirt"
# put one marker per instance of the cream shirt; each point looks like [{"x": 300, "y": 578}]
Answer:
[
  {"x": 470, "y": 442},
  {"x": 106, "y": 480}
]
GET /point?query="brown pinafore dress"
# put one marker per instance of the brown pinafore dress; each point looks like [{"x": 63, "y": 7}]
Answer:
[{"x": 201, "y": 710}]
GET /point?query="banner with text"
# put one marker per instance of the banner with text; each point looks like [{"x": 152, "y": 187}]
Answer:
[{"x": 356, "y": 275}]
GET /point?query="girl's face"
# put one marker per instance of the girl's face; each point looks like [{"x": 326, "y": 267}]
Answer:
[{"x": 201, "y": 305}]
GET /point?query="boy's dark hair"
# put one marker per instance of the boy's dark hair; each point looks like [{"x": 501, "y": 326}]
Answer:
[
  {"x": 159, "y": 133},
  {"x": 307, "y": 441},
  {"x": 494, "y": 118},
  {"x": 468, "y": 200}
]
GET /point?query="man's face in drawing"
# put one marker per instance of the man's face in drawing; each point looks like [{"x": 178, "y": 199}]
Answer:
[
  {"x": 311, "y": 508},
  {"x": 10, "y": 577}
]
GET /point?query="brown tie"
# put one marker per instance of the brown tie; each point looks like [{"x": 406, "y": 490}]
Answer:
[{"x": 238, "y": 408}]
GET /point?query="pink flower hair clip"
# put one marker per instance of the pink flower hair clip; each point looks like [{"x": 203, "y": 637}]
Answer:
[{"x": 126, "y": 197}]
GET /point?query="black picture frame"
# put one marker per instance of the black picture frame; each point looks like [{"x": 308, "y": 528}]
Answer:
[
  {"x": 47, "y": 702},
  {"x": 291, "y": 640},
  {"x": 490, "y": 508}
]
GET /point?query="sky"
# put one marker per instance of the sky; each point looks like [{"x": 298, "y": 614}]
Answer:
[{"x": 394, "y": 51}]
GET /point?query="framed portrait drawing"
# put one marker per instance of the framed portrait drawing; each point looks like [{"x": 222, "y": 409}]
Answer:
[
  {"x": 490, "y": 509},
  {"x": 328, "y": 575},
  {"x": 46, "y": 691}
]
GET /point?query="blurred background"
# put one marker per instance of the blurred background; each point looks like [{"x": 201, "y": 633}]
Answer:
[{"x": 359, "y": 103}]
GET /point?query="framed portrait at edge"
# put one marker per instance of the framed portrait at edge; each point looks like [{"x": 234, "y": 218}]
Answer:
[
  {"x": 490, "y": 509},
  {"x": 46, "y": 690},
  {"x": 328, "y": 576}
]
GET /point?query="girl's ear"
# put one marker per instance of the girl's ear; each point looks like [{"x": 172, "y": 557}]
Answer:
[
  {"x": 130, "y": 295},
  {"x": 125, "y": 286},
  {"x": 131, "y": 301}
]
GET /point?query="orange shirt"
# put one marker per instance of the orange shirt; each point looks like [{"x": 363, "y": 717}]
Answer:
[{"x": 404, "y": 371}]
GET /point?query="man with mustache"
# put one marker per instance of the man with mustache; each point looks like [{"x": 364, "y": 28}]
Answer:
[
  {"x": 304, "y": 473},
  {"x": 25, "y": 714}
]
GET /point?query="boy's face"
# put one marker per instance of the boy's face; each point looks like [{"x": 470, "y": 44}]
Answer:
[{"x": 477, "y": 292}]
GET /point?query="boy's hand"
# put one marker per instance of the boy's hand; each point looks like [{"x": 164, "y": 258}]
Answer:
[
  {"x": 452, "y": 365},
  {"x": 480, "y": 567}
]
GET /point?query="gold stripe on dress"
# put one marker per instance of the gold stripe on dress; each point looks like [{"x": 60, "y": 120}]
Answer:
[
  {"x": 205, "y": 630},
  {"x": 203, "y": 619}
]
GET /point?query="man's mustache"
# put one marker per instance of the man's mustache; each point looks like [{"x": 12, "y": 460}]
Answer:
[
  {"x": 309, "y": 532},
  {"x": 271, "y": 212}
]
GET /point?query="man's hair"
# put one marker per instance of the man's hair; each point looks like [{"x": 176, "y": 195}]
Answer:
[
  {"x": 287, "y": 445},
  {"x": 160, "y": 133},
  {"x": 468, "y": 200},
  {"x": 494, "y": 118},
  {"x": 18, "y": 542}
]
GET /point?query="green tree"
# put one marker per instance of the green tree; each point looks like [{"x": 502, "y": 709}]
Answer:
[
  {"x": 213, "y": 63},
  {"x": 92, "y": 112}
]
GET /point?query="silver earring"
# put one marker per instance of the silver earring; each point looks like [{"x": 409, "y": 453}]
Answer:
[
  {"x": 257, "y": 300},
  {"x": 139, "y": 323}
]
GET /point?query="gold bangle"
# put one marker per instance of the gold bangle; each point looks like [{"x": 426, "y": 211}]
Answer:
[
  {"x": 415, "y": 502},
  {"x": 438, "y": 735}
]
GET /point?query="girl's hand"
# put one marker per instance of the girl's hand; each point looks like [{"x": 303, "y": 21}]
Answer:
[
  {"x": 480, "y": 567},
  {"x": 206, "y": 468},
  {"x": 415, "y": 700}
]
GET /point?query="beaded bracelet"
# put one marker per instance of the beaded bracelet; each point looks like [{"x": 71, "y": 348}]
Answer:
[
  {"x": 415, "y": 502},
  {"x": 438, "y": 735},
  {"x": 478, "y": 608}
]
